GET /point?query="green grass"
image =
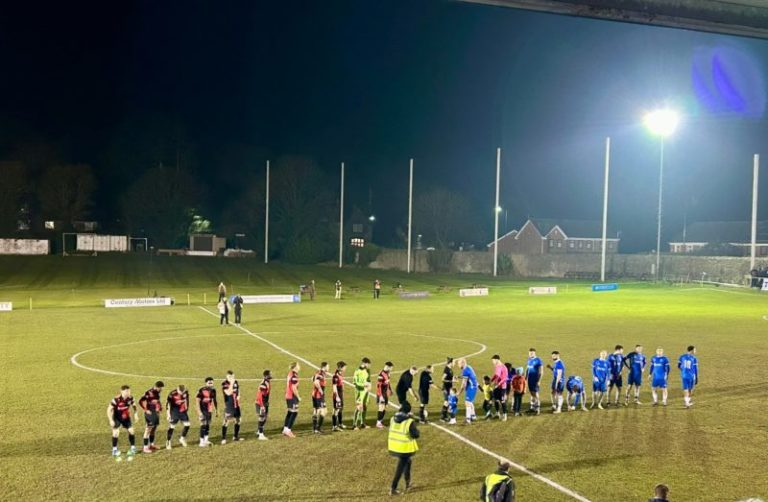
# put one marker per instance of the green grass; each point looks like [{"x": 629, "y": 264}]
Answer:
[{"x": 55, "y": 440}]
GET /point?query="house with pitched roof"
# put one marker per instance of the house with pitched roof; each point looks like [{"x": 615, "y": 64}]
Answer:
[
  {"x": 543, "y": 236},
  {"x": 695, "y": 238}
]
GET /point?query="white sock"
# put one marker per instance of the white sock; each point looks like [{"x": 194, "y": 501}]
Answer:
[
  {"x": 655, "y": 396},
  {"x": 559, "y": 402}
]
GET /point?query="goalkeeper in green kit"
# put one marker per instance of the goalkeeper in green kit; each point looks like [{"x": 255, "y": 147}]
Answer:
[{"x": 362, "y": 382}]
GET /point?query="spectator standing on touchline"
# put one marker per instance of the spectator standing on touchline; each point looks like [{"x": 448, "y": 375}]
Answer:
[
  {"x": 338, "y": 290},
  {"x": 222, "y": 291},
  {"x": 223, "y": 311}
]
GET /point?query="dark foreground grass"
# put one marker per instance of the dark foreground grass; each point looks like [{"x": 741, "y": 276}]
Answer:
[{"x": 55, "y": 440}]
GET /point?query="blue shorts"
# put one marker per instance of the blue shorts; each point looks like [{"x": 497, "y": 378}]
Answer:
[
  {"x": 558, "y": 387},
  {"x": 599, "y": 386},
  {"x": 470, "y": 395},
  {"x": 688, "y": 383},
  {"x": 533, "y": 384},
  {"x": 659, "y": 382},
  {"x": 635, "y": 379}
]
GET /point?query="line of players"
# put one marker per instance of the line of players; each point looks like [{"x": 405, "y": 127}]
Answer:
[{"x": 607, "y": 372}]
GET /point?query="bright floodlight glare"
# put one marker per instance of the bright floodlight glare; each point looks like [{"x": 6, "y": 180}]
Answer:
[
  {"x": 662, "y": 122},
  {"x": 498, "y": 209}
]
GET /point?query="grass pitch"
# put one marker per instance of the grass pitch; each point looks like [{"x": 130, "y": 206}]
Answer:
[{"x": 56, "y": 445}]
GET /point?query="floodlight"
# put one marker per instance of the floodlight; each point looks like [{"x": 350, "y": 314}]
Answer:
[{"x": 662, "y": 122}]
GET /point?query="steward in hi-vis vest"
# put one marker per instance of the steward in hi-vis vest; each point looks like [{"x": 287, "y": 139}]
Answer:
[
  {"x": 401, "y": 443},
  {"x": 498, "y": 487}
]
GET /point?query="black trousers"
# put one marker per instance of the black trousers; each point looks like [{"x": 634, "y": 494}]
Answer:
[
  {"x": 238, "y": 317},
  {"x": 403, "y": 469}
]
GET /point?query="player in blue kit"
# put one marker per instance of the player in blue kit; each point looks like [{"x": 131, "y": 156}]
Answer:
[
  {"x": 576, "y": 393},
  {"x": 659, "y": 374},
  {"x": 635, "y": 362},
  {"x": 616, "y": 365},
  {"x": 469, "y": 386},
  {"x": 533, "y": 373},
  {"x": 689, "y": 372},
  {"x": 600, "y": 370},
  {"x": 558, "y": 381}
]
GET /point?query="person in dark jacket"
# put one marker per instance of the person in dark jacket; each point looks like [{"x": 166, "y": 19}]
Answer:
[
  {"x": 660, "y": 493},
  {"x": 499, "y": 485},
  {"x": 238, "y": 306},
  {"x": 402, "y": 445}
]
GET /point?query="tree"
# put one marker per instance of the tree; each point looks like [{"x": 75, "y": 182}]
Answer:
[
  {"x": 443, "y": 217},
  {"x": 162, "y": 204},
  {"x": 65, "y": 192},
  {"x": 13, "y": 186},
  {"x": 302, "y": 207}
]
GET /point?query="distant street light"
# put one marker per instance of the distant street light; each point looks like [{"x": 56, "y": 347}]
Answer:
[
  {"x": 661, "y": 123},
  {"x": 372, "y": 218}
]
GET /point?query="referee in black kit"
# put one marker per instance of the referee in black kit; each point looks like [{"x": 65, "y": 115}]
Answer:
[{"x": 405, "y": 385}]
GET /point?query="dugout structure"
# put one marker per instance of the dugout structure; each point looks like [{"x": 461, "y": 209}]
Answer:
[{"x": 91, "y": 244}]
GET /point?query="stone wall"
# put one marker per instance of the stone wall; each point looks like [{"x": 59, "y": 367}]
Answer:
[{"x": 621, "y": 266}]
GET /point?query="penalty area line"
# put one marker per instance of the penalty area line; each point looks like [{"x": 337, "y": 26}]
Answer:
[{"x": 455, "y": 435}]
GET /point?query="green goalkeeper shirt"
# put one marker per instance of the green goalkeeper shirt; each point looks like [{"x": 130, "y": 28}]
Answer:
[{"x": 361, "y": 378}]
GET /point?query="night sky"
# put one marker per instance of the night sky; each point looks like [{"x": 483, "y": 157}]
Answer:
[{"x": 373, "y": 83}]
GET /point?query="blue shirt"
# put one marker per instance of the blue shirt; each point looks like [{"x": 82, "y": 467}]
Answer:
[
  {"x": 616, "y": 363},
  {"x": 600, "y": 369},
  {"x": 575, "y": 384},
  {"x": 689, "y": 366},
  {"x": 453, "y": 403},
  {"x": 659, "y": 367},
  {"x": 559, "y": 365},
  {"x": 636, "y": 363},
  {"x": 469, "y": 374},
  {"x": 534, "y": 367}
]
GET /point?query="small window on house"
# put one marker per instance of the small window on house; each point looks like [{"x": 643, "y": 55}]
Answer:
[
  {"x": 551, "y": 243},
  {"x": 559, "y": 244},
  {"x": 581, "y": 244},
  {"x": 356, "y": 242},
  {"x": 571, "y": 244},
  {"x": 589, "y": 245},
  {"x": 357, "y": 228}
]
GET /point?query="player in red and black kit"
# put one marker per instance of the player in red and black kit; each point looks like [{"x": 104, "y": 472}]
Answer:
[
  {"x": 177, "y": 405},
  {"x": 319, "y": 409},
  {"x": 231, "y": 389},
  {"x": 206, "y": 406},
  {"x": 119, "y": 415},
  {"x": 150, "y": 403},
  {"x": 262, "y": 402},
  {"x": 292, "y": 399},
  {"x": 337, "y": 384},
  {"x": 383, "y": 391}
]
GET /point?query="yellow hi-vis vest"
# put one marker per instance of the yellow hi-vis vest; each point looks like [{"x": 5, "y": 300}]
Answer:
[
  {"x": 399, "y": 439},
  {"x": 492, "y": 480}
]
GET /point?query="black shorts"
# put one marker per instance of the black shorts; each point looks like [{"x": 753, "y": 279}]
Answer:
[
  {"x": 152, "y": 418},
  {"x": 262, "y": 411},
  {"x": 499, "y": 394},
  {"x": 616, "y": 381},
  {"x": 318, "y": 402},
  {"x": 447, "y": 390},
  {"x": 206, "y": 417},
  {"x": 292, "y": 403},
  {"x": 338, "y": 403},
  {"x": 125, "y": 423},
  {"x": 402, "y": 397},
  {"x": 231, "y": 411},
  {"x": 179, "y": 416},
  {"x": 382, "y": 400},
  {"x": 424, "y": 396}
]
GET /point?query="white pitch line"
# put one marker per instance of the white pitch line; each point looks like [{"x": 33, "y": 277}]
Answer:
[{"x": 456, "y": 435}]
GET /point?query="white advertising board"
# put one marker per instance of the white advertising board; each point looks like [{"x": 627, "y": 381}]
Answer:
[
  {"x": 250, "y": 299},
  {"x": 542, "y": 290},
  {"x": 200, "y": 253},
  {"x": 765, "y": 285},
  {"x": 6, "y": 306},
  {"x": 24, "y": 246},
  {"x": 103, "y": 243},
  {"x": 473, "y": 292},
  {"x": 138, "y": 302}
]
